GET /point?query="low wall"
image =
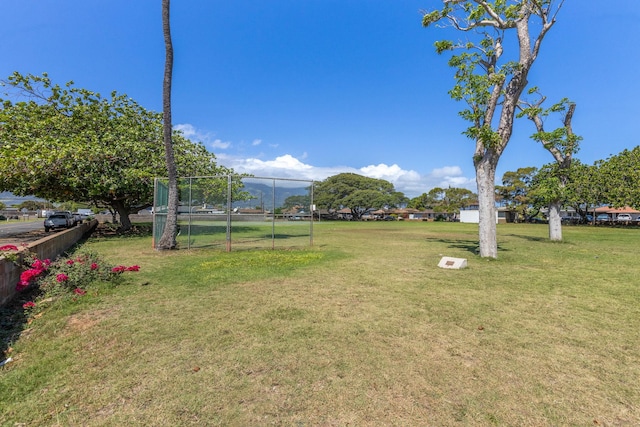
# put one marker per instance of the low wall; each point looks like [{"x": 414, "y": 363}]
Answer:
[{"x": 49, "y": 247}]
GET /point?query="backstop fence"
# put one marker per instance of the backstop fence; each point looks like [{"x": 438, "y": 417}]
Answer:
[{"x": 239, "y": 211}]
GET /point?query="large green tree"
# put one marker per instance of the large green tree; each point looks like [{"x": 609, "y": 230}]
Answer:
[
  {"x": 515, "y": 192},
  {"x": 582, "y": 187},
  {"x": 622, "y": 173},
  {"x": 71, "y": 144},
  {"x": 356, "y": 192},
  {"x": 449, "y": 200},
  {"x": 502, "y": 41},
  {"x": 297, "y": 200}
]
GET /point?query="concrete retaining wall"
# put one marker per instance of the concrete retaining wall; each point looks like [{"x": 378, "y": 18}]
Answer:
[{"x": 49, "y": 247}]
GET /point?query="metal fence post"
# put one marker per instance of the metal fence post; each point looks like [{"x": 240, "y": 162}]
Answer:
[{"x": 229, "y": 202}]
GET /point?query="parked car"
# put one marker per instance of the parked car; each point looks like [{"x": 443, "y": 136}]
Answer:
[
  {"x": 77, "y": 218},
  {"x": 602, "y": 217},
  {"x": 58, "y": 220},
  {"x": 623, "y": 217},
  {"x": 3, "y": 218}
]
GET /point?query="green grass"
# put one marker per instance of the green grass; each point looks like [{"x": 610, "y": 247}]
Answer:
[
  {"x": 362, "y": 328},
  {"x": 244, "y": 234}
]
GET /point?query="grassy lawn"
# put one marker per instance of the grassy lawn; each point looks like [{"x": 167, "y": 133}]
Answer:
[{"x": 361, "y": 329}]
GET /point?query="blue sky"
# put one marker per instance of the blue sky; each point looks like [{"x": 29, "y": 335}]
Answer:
[{"x": 311, "y": 88}]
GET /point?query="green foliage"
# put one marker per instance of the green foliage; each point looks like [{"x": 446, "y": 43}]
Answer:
[
  {"x": 71, "y": 144},
  {"x": 515, "y": 191},
  {"x": 449, "y": 200},
  {"x": 66, "y": 278},
  {"x": 356, "y": 192},
  {"x": 622, "y": 173},
  {"x": 561, "y": 142},
  {"x": 299, "y": 200}
]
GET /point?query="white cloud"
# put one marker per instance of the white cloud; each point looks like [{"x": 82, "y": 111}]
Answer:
[
  {"x": 220, "y": 144},
  {"x": 187, "y": 130},
  {"x": 410, "y": 182},
  {"x": 207, "y": 138},
  {"x": 446, "y": 171}
]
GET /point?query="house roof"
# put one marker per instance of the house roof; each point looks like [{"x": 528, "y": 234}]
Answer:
[{"x": 607, "y": 209}]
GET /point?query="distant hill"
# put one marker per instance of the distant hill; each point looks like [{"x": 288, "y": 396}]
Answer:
[
  {"x": 263, "y": 193},
  {"x": 10, "y": 199}
]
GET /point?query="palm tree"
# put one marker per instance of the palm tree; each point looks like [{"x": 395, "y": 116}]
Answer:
[{"x": 168, "y": 239}]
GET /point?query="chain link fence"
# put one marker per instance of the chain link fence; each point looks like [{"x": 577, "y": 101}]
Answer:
[{"x": 237, "y": 211}]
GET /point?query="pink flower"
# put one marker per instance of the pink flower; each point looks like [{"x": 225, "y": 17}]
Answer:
[
  {"x": 118, "y": 269},
  {"x": 79, "y": 291},
  {"x": 8, "y": 248},
  {"x": 28, "y": 275},
  {"x": 39, "y": 265},
  {"x": 133, "y": 268},
  {"x": 70, "y": 262},
  {"x": 21, "y": 286},
  {"x": 94, "y": 266},
  {"x": 62, "y": 277},
  {"x": 28, "y": 304},
  {"x": 47, "y": 262}
]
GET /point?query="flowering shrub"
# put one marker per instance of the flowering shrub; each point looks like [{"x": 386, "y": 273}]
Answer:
[
  {"x": 37, "y": 268},
  {"x": 67, "y": 277},
  {"x": 9, "y": 252}
]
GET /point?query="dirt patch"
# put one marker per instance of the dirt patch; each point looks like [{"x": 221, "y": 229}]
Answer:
[
  {"x": 84, "y": 321},
  {"x": 24, "y": 237}
]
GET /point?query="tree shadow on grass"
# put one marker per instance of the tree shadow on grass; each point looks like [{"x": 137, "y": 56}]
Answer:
[
  {"x": 529, "y": 238},
  {"x": 471, "y": 246},
  {"x": 13, "y": 320},
  {"x": 13, "y": 316},
  {"x": 113, "y": 231}
]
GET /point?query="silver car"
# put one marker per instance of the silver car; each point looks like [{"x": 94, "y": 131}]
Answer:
[{"x": 58, "y": 220}]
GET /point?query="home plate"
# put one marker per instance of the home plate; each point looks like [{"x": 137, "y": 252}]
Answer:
[{"x": 450, "y": 262}]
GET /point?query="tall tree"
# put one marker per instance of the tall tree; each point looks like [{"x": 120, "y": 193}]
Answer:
[
  {"x": 70, "y": 144},
  {"x": 515, "y": 191},
  {"x": 449, "y": 200},
  {"x": 562, "y": 143},
  {"x": 623, "y": 175},
  {"x": 491, "y": 84},
  {"x": 168, "y": 239},
  {"x": 297, "y": 200},
  {"x": 356, "y": 192}
]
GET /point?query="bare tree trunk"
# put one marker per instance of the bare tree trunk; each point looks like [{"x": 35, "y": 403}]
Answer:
[
  {"x": 485, "y": 179},
  {"x": 555, "y": 221},
  {"x": 168, "y": 239}
]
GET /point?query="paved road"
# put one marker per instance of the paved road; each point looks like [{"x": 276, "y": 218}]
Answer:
[{"x": 15, "y": 233}]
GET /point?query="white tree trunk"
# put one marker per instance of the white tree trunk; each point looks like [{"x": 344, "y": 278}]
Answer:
[
  {"x": 485, "y": 179},
  {"x": 555, "y": 222}
]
